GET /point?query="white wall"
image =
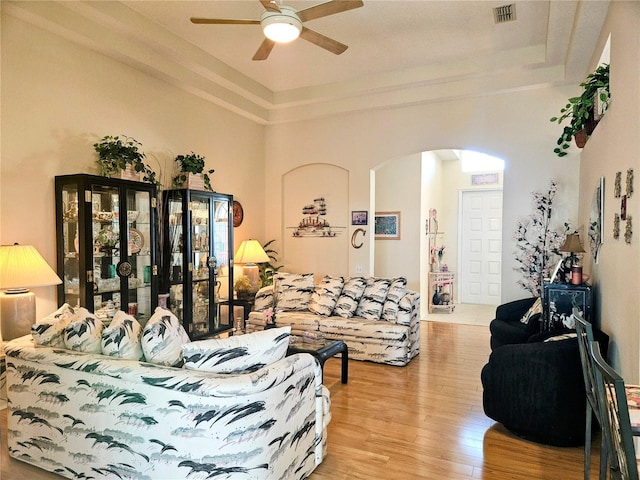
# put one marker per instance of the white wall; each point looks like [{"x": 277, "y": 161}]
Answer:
[
  {"x": 615, "y": 147},
  {"x": 398, "y": 189},
  {"x": 514, "y": 126},
  {"x": 58, "y": 99}
]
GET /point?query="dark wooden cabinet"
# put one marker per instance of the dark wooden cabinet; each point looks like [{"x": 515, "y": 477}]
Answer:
[
  {"x": 198, "y": 259},
  {"x": 106, "y": 233},
  {"x": 558, "y": 301}
]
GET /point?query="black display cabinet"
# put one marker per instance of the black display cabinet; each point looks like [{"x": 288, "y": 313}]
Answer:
[
  {"x": 106, "y": 245},
  {"x": 558, "y": 301},
  {"x": 197, "y": 249}
]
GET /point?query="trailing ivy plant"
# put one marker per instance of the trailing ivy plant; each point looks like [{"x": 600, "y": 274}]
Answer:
[
  {"x": 191, "y": 163},
  {"x": 580, "y": 110},
  {"x": 537, "y": 243},
  {"x": 115, "y": 154}
]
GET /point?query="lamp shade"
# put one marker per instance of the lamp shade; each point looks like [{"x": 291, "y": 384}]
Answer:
[
  {"x": 572, "y": 244},
  {"x": 250, "y": 251},
  {"x": 21, "y": 267}
]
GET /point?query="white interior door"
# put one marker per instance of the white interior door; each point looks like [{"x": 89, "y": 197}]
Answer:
[{"x": 480, "y": 247}]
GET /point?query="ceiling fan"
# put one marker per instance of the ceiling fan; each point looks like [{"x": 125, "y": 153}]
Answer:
[{"x": 282, "y": 24}]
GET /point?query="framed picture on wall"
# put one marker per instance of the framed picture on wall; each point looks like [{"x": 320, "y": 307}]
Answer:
[
  {"x": 359, "y": 217},
  {"x": 387, "y": 226}
]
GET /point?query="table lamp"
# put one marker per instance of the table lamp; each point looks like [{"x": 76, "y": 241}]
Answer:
[
  {"x": 21, "y": 266},
  {"x": 573, "y": 246},
  {"x": 249, "y": 253}
]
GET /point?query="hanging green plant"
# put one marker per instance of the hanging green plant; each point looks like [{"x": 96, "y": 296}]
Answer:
[
  {"x": 191, "y": 163},
  {"x": 115, "y": 154},
  {"x": 581, "y": 111}
]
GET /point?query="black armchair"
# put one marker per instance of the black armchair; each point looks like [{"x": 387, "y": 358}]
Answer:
[
  {"x": 536, "y": 389},
  {"x": 507, "y": 328}
]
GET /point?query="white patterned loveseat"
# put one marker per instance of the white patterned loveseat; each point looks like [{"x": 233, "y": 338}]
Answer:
[
  {"x": 378, "y": 318},
  {"x": 86, "y": 415}
]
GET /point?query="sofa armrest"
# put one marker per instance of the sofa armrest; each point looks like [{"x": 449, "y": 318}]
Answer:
[{"x": 514, "y": 311}]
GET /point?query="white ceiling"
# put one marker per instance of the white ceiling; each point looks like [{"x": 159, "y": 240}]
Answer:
[{"x": 400, "y": 52}]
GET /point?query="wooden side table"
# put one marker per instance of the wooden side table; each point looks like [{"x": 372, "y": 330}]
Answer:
[{"x": 441, "y": 284}]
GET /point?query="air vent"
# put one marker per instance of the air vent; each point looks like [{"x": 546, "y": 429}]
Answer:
[{"x": 505, "y": 13}]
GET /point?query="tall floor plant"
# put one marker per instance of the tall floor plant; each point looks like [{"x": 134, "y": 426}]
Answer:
[{"x": 538, "y": 243}]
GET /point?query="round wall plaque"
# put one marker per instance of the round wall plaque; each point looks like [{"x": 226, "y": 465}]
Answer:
[{"x": 238, "y": 214}]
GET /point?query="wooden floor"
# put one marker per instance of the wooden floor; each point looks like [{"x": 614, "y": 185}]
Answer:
[{"x": 423, "y": 421}]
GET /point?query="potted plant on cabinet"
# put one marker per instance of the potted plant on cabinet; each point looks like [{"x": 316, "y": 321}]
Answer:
[
  {"x": 189, "y": 166},
  {"x": 584, "y": 111},
  {"x": 117, "y": 155}
]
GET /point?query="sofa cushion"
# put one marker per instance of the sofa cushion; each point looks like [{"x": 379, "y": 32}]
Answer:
[
  {"x": 293, "y": 290},
  {"x": 237, "y": 354},
  {"x": 363, "y": 328},
  {"x": 49, "y": 331},
  {"x": 397, "y": 290},
  {"x": 325, "y": 295},
  {"x": 85, "y": 333},
  {"x": 121, "y": 339},
  {"x": 163, "y": 337},
  {"x": 373, "y": 297},
  {"x": 350, "y": 297},
  {"x": 263, "y": 299},
  {"x": 535, "y": 309}
]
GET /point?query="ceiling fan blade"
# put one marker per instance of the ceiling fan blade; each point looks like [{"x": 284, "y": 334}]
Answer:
[
  {"x": 270, "y": 5},
  {"x": 328, "y": 8},
  {"x": 325, "y": 42},
  {"x": 264, "y": 50},
  {"x": 222, "y": 21}
]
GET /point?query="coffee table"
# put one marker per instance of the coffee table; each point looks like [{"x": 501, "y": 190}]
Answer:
[{"x": 322, "y": 349}]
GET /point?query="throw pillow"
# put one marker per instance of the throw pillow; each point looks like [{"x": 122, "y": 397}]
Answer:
[
  {"x": 350, "y": 297},
  {"x": 325, "y": 295},
  {"x": 397, "y": 290},
  {"x": 373, "y": 297},
  {"x": 84, "y": 334},
  {"x": 293, "y": 290},
  {"x": 49, "y": 331},
  {"x": 536, "y": 308},
  {"x": 264, "y": 299},
  {"x": 163, "y": 337},
  {"x": 121, "y": 339},
  {"x": 238, "y": 354}
]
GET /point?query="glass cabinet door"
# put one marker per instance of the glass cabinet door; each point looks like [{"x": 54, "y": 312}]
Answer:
[
  {"x": 106, "y": 245},
  {"x": 199, "y": 208},
  {"x": 70, "y": 269},
  {"x": 197, "y": 249}
]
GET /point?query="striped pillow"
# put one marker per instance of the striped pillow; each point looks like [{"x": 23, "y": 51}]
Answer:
[
  {"x": 264, "y": 299},
  {"x": 397, "y": 290},
  {"x": 163, "y": 337},
  {"x": 84, "y": 334},
  {"x": 326, "y": 294},
  {"x": 238, "y": 354},
  {"x": 49, "y": 331},
  {"x": 350, "y": 297},
  {"x": 121, "y": 339},
  {"x": 293, "y": 290},
  {"x": 372, "y": 300}
]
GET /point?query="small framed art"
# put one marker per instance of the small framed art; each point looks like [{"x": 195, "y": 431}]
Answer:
[
  {"x": 359, "y": 217},
  {"x": 387, "y": 226}
]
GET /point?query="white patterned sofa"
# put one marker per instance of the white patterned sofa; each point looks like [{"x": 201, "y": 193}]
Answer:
[
  {"x": 378, "y": 319},
  {"x": 86, "y": 415}
]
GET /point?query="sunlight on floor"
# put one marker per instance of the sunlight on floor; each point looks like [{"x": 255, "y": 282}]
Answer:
[{"x": 465, "y": 313}]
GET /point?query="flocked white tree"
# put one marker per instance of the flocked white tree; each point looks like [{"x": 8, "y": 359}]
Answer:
[{"x": 537, "y": 243}]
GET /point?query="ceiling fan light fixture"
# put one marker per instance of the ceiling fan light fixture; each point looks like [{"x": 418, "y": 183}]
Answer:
[{"x": 281, "y": 27}]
